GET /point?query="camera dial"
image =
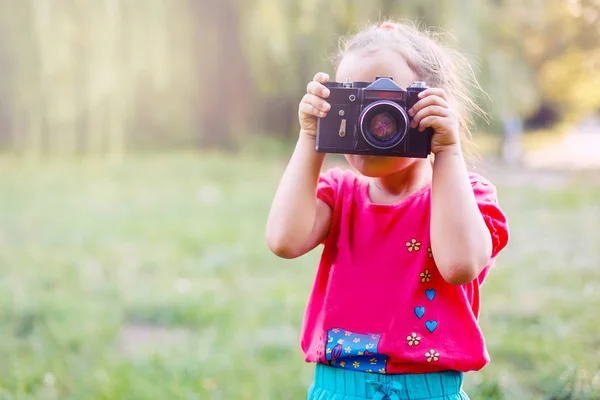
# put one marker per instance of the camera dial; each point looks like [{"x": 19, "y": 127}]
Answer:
[{"x": 418, "y": 84}]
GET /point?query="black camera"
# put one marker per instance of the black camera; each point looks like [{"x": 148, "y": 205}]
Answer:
[{"x": 371, "y": 118}]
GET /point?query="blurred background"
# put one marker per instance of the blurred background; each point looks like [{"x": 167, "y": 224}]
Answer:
[{"x": 141, "y": 144}]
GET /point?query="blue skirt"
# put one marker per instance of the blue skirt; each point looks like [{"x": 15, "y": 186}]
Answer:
[{"x": 339, "y": 384}]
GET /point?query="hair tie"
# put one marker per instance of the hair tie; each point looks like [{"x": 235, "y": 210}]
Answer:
[{"x": 387, "y": 26}]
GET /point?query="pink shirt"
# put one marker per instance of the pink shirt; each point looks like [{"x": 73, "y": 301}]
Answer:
[{"x": 379, "y": 303}]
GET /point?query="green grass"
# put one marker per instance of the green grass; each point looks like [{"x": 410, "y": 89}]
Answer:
[{"x": 94, "y": 257}]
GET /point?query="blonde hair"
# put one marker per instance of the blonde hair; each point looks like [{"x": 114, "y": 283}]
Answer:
[{"x": 438, "y": 65}]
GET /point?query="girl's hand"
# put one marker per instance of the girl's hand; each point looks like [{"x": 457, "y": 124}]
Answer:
[
  {"x": 312, "y": 105},
  {"x": 433, "y": 111}
]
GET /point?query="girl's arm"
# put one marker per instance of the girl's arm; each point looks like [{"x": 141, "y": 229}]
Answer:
[
  {"x": 298, "y": 220},
  {"x": 460, "y": 240}
]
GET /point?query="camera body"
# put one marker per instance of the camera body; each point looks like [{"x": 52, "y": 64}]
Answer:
[{"x": 371, "y": 118}]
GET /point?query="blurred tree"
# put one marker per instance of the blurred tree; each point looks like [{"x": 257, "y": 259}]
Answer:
[
  {"x": 109, "y": 76},
  {"x": 549, "y": 57},
  {"x": 223, "y": 97}
]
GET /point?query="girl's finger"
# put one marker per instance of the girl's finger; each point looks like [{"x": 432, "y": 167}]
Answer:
[
  {"x": 317, "y": 102},
  {"x": 321, "y": 77},
  {"x": 431, "y": 121},
  {"x": 309, "y": 109},
  {"x": 317, "y": 89},
  {"x": 428, "y": 101},
  {"x": 434, "y": 92},
  {"x": 429, "y": 111}
]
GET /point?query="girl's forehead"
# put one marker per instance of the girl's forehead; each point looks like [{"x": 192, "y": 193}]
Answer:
[{"x": 366, "y": 66}]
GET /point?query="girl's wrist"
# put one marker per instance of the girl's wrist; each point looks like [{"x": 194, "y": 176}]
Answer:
[
  {"x": 307, "y": 144},
  {"x": 307, "y": 140},
  {"x": 448, "y": 157},
  {"x": 308, "y": 134},
  {"x": 450, "y": 150}
]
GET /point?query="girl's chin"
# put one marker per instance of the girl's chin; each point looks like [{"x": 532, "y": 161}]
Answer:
[{"x": 377, "y": 166}]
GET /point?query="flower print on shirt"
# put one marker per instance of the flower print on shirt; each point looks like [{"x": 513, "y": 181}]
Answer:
[
  {"x": 413, "y": 339},
  {"x": 413, "y": 245},
  {"x": 432, "y": 355},
  {"x": 425, "y": 276}
]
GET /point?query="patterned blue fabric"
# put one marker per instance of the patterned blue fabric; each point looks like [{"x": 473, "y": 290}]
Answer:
[{"x": 354, "y": 351}]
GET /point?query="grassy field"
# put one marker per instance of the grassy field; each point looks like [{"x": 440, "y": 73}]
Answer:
[{"x": 151, "y": 280}]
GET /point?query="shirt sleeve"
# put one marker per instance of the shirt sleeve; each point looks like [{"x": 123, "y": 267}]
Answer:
[
  {"x": 328, "y": 186},
  {"x": 494, "y": 217},
  {"x": 495, "y": 220}
]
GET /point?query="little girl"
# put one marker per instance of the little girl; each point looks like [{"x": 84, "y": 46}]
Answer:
[{"x": 407, "y": 242}]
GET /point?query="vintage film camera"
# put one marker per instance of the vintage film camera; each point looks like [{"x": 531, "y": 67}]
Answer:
[{"x": 371, "y": 118}]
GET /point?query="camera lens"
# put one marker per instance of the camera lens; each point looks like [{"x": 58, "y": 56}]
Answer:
[{"x": 383, "y": 124}]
